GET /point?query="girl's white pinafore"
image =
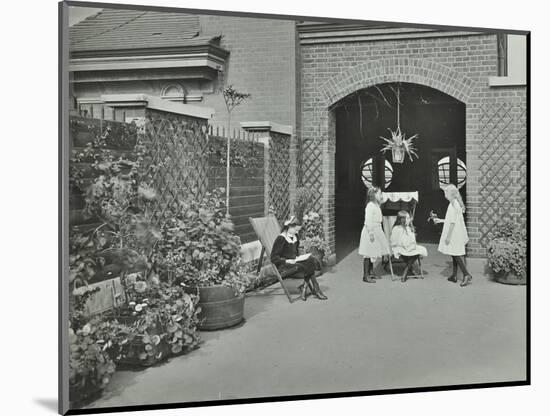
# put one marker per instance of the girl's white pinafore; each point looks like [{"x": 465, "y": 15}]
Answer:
[
  {"x": 373, "y": 225},
  {"x": 459, "y": 237}
]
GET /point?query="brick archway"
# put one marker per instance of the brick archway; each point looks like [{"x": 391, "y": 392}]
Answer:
[
  {"x": 320, "y": 141},
  {"x": 416, "y": 71}
]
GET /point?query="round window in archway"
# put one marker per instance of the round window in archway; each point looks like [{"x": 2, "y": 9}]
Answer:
[
  {"x": 366, "y": 173},
  {"x": 443, "y": 170}
]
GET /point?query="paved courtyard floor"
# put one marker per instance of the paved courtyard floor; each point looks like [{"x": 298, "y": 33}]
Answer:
[{"x": 365, "y": 337}]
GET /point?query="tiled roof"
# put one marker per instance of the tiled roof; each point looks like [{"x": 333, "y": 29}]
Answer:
[{"x": 113, "y": 29}]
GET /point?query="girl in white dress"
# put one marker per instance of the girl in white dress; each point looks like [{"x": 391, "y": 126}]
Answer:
[
  {"x": 373, "y": 242},
  {"x": 454, "y": 236},
  {"x": 403, "y": 242}
]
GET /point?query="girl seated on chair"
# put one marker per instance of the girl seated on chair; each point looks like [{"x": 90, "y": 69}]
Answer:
[
  {"x": 403, "y": 242},
  {"x": 283, "y": 256}
]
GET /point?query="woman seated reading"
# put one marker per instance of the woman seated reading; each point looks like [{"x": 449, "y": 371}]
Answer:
[{"x": 285, "y": 256}]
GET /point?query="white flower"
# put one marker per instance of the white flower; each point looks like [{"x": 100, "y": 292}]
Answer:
[{"x": 86, "y": 329}]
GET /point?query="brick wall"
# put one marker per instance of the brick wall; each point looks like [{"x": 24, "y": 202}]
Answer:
[
  {"x": 261, "y": 62},
  {"x": 457, "y": 65}
]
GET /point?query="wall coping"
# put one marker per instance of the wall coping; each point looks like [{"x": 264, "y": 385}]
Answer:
[
  {"x": 266, "y": 126},
  {"x": 157, "y": 103}
]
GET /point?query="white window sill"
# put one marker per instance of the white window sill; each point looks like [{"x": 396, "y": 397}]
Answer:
[{"x": 507, "y": 81}]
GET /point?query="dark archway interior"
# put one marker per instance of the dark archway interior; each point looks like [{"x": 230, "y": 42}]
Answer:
[{"x": 364, "y": 116}]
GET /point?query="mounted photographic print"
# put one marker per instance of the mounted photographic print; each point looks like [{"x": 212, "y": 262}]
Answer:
[{"x": 260, "y": 208}]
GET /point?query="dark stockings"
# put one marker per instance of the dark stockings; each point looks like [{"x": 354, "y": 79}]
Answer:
[
  {"x": 409, "y": 261},
  {"x": 461, "y": 263},
  {"x": 367, "y": 271},
  {"x": 452, "y": 278},
  {"x": 317, "y": 290}
]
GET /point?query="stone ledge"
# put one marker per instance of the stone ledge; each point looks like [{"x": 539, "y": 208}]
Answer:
[
  {"x": 156, "y": 103},
  {"x": 511, "y": 81},
  {"x": 266, "y": 126}
]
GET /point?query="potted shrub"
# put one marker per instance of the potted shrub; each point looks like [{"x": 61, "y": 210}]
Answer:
[
  {"x": 507, "y": 254},
  {"x": 312, "y": 237},
  {"x": 200, "y": 250}
]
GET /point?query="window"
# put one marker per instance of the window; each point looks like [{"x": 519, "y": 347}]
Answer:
[
  {"x": 443, "y": 172},
  {"x": 512, "y": 61},
  {"x": 502, "y": 54},
  {"x": 366, "y": 173}
]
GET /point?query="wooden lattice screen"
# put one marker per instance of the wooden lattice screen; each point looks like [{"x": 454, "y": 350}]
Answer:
[
  {"x": 178, "y": 145},
  {"x": 279, "y": 174},
  {"x": 311, "y": 168},
  {"x": 503, "y": 165}
]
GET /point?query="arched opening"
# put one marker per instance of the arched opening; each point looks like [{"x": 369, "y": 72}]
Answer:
[{"x": 361, "y": 119}]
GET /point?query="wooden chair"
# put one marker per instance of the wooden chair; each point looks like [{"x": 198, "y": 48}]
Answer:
[
  {"x": 387, "y": 225},
  {"x": 267, "y": 229}
]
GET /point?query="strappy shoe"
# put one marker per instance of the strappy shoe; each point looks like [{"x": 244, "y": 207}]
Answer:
[
  {"x": 368, "y": 279},
  {"x": 452, "y": 279},
  {"x": 466, "y": 280}
]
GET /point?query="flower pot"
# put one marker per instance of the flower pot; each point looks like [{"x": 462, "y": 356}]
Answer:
[
  {"x": 510, "y": 278},
  {"x": 398, "y": 154},
  {"x": 220, "y": 307},
  {"x": 319, "y": 255},
  {"x": 80, "y": 396}
]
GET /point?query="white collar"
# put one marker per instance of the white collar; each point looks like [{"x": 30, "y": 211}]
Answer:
[{"x": 289, "y": 238}]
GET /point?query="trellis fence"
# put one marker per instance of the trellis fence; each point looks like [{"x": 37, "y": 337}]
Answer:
[{"x": 191, "y": 158}]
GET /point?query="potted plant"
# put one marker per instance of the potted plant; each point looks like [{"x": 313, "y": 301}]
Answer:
[
  {"x": 90, "y": 366},
  {"x": 398, "y": 144},
  {"x": 200, "y": 250},
  {"x": 312, "y": 237},
  {"x": 507, "y": 254},
  {"x": 157, "y": 321}
]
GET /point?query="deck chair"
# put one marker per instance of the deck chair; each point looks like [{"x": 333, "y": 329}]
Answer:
[{"x": 267, "y": 229}]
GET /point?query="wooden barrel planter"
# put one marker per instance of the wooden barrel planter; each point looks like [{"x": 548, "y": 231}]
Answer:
[
  {"x": 509, "y": 278},
  {"x": 220, "y": 307}
]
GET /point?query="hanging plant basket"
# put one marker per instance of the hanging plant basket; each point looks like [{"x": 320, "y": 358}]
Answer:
[
  {"x": 398, "y": 154},
  {"x": 398, "y": 143}
]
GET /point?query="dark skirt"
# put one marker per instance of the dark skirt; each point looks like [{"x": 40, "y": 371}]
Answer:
[{"x": 301, "y": 270}]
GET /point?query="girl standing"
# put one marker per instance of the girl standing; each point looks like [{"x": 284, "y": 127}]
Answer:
[
  {"x": 373, "y": 242},
  {"x": 454, "y": 236},
  {"x": 403, "y": 242}
]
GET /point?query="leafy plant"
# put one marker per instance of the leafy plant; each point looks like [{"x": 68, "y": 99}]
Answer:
[
  {"x": 312, "y": 234},
  {"x": 398, "y": 140},
  {"x": 158, "y": 320},
  {"x": 305, "y": 197},
  {"x": 199, "y": 246},
  {"x": 244, "y": 154},
  {"x": 119, "y": 198},
  {"x": 507, "y": 249},
  {"x": 90, "y": 366}
]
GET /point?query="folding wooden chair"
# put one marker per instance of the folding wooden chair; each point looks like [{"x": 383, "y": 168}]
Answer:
[
  {"x": 267, "y": 229},
  {"x": 392, "y": 261}
]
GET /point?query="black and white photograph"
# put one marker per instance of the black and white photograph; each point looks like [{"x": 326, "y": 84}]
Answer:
[{"x": 266, "y": 207}]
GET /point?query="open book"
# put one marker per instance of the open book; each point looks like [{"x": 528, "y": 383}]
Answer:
[{"x": 303, "y": 257}]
